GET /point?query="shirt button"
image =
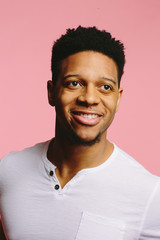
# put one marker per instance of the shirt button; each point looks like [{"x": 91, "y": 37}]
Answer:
[
  {"x": 51, "y": 173},
  {"x": 56, "y": 187}
]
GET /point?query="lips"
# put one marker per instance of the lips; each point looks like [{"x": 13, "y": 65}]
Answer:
[{"x": 87, "y": 118}]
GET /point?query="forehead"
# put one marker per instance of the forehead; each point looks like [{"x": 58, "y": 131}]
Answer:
[{"x": 91, "y": 64}]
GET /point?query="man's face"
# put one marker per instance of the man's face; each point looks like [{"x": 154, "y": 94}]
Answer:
[{"x": 86, "y": 95}]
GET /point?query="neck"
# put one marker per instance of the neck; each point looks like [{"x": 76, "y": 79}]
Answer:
[{"x": 70, "y": 158}]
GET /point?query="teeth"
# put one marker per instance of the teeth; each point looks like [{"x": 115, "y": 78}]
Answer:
[{"x": 89, "y": 116}]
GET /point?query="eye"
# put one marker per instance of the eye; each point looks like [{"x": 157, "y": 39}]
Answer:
[
  {"x": 106, "y": 87},
  {"x": 72, "y": 84}
]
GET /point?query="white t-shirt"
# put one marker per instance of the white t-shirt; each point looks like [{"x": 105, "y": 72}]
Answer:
[{"x": 118, "y": 200}]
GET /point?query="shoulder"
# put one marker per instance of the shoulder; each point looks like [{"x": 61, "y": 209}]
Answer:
[
  {"x": 129, "y": 163},
  {"x": 16, "y": 156},
  {"x": 134, "y": 174},
  {"x": 18, "y": 161}
]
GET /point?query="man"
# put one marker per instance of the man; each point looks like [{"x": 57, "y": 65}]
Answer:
[{"x": 79, "y": 185}]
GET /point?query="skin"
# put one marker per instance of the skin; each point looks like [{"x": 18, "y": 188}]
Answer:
[
  {"x": 87, "y": 84},
  {"x": 2, "y": 236}
]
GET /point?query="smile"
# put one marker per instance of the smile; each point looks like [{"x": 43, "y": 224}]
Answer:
[
  {"x": 89, "y": 119},
  {"x": 89, "y": 116}
]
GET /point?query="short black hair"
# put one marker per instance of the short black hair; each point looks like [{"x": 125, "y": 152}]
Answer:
[{"x": 83, "y": 39}]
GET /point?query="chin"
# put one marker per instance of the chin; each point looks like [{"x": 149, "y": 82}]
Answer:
[{"x": 77, "y": 140}]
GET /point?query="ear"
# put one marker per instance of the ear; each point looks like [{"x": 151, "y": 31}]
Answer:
[
  {"x": 51, "y": 93},
  {"x": 120, "y": 91}
]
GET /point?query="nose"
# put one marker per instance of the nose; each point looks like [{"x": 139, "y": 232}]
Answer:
[{"x": 88, "y": 96}]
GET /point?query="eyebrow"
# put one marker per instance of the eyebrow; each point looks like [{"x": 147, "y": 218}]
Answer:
[
  {"x": 77, "y": 75},
  {"x": 71, "y": 75},
  {"x": 109, "y": 79}
]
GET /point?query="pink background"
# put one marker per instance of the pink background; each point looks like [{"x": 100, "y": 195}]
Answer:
[{"x": 28, "y": 29}]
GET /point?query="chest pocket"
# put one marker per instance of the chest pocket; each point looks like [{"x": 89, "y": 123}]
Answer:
[{"x": 94, "y": 227}]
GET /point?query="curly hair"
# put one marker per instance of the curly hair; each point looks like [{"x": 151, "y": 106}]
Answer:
[{"x": 83, "y": 39}]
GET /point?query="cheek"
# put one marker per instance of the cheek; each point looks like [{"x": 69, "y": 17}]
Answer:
[
  {"x": 110, "y": 103},
  {"x": 63, "y": 104},
  {"x": 68, "y": 98}
]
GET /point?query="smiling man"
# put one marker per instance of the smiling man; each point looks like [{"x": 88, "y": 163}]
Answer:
[{"x": 79, "y": 185}]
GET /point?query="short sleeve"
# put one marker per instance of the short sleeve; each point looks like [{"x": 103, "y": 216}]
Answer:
[
  {"x": 151, "y": 225},
  {"x": 0, "y": 170}
]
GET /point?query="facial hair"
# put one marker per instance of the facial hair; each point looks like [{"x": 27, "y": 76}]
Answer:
[{"x": 75, "y": 140}]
